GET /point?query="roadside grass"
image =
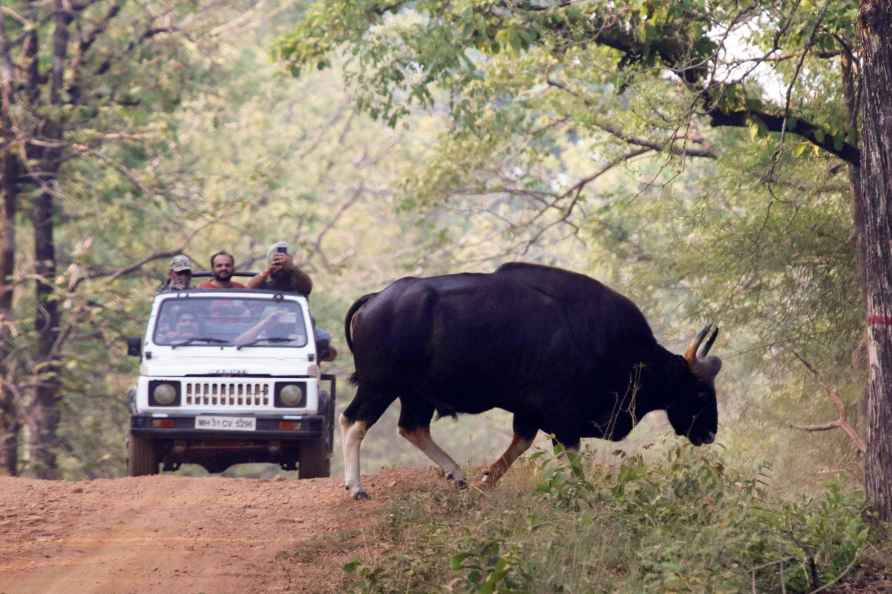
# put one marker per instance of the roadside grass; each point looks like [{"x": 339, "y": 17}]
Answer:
[{"x": 685, "y": 521}]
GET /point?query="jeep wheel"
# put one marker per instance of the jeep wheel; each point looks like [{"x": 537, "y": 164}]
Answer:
[
  {"x": 313, "y": 460},
  {"x": 142, "y": 458}
]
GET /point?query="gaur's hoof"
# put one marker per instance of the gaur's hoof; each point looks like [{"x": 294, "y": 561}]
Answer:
[
  {"x": 458, "y": 481},
  {"x": 361, "y": 496},
  {"x": 486, "y": 481}
]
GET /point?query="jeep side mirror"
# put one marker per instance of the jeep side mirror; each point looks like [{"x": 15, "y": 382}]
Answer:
[{"x": 134, "y": 346}]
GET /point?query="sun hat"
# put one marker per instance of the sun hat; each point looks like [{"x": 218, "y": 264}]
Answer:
[
  {"x": 180, "y": 263},
  {"x": 274, "y": 247}
]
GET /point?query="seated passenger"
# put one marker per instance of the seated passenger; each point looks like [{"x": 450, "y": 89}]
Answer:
[
  {"x": 222, "y": 265},
  {"x": 187, "y": 326},
  {"x": 276, "y": 325},
  {"x": 179, "y": 275}
]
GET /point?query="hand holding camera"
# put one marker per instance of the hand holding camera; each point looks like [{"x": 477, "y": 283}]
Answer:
[{"x": 280, "y": 260}]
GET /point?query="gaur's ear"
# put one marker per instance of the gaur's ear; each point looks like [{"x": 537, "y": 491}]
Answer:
[{"x": 707, "y": 368}]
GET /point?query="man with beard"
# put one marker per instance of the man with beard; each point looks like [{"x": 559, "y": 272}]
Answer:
[{"x": 222, "y": 265}]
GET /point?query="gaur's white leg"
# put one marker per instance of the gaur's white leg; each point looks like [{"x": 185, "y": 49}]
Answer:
[
  {"x": 351, "y": 436},
  {"x": 421, "y": 439},
  {"x": 518, "y": 446}
]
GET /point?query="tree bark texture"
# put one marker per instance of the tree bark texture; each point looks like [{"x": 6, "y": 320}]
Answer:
[
  {"x": 9, "y": 172},
  {"x": 875, "y": 24},
  {"x": 43, "y": 416},
  {"x": 9, "y": 419}
]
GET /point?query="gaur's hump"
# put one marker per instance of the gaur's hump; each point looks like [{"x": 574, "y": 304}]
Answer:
[
  {"x": 445, "y": 284},
  {"x": 598, "y": 310},
  {"x": 567, "y": 285}
]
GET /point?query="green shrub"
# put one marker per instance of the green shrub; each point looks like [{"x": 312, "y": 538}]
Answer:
[{"x": 683, "y": 523}]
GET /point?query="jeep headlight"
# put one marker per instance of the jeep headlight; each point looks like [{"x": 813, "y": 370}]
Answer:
[
  {"x": 164, "y": 394},
  {"x": 290, "y": 395}
]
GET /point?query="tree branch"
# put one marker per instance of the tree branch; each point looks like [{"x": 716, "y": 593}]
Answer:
[
  {"x": 675, "y": 54},
  {"x": 115, "y": 274},
  {"x": 668, "y": 146},
  {"x": 841, "y": 422},
  {"x": 775, "y": 123}
]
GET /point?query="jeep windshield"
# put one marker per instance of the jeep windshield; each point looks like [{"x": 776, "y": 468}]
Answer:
[{"x": 230, "y": 321}]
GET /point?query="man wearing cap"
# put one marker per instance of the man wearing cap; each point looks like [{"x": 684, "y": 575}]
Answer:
[
  {"x": 222, "y": 265},
  {"x": 179, "y": 276},
  {"x": 281, "y": 274}
]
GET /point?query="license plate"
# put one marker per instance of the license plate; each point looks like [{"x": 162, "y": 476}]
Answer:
[{"x": 226, "y": 423}]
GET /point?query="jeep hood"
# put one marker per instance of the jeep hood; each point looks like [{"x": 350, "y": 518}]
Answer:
[{"x": 214, "y": 361}]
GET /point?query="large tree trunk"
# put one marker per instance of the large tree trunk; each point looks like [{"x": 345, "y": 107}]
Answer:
[
  {"x": 9, "y": 419},
  {"x": 9, "y": 172},
  {"x": 876, "y": 175},
  {"x": 43, "y": 415}
]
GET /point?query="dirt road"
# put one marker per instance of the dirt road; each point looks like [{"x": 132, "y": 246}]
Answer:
[{"x": 180, "y": 535}]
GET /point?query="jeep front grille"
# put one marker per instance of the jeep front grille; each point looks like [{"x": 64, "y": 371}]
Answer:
[{"x": 228, "y": 394}]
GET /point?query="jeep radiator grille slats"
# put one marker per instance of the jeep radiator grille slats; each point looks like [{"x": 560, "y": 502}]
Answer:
[{"x": 227, "y": 394}]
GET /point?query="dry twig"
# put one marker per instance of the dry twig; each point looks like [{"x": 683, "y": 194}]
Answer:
[{"x": 842, "y": 422}]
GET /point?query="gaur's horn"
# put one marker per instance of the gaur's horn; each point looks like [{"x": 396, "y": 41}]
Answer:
[
  {"x": 690, "y": 355},
  {"x": 705, "y": 350}
]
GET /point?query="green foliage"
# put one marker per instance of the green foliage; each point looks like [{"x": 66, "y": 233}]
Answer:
[
  {"x": 684, "y": 523},
  {"x": 488, "y": 568}
]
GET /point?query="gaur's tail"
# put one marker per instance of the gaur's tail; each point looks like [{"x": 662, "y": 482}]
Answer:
[{"x": 348, "y": 333}]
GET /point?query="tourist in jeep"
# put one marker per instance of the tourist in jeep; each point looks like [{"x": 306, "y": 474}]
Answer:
[
  {"x": 281, "y": 273},
  {"x": 277, "y": 325},
  {"x": 222, "y": 266},
  {"x": 179, "y": 275},
  {"x": 187, "y": 326}
]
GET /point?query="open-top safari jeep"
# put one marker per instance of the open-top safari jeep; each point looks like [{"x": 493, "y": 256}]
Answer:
[{"x": 230, "y": 376}]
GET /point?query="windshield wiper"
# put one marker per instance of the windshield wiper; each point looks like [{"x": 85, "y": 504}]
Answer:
[
  {"x": 198, "y": 339},
  {"x": 270, "y": 339}
]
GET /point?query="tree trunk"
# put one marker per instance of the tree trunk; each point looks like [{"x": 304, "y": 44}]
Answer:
[
  {"x": 875, "y": 25},
  {"x": 9, "y": 172},
  {"x": 9, "y": 419},
  {"x": 43, "y": 416}
]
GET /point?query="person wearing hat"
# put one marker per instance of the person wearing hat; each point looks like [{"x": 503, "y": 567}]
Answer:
[
  {"x": 179, "y": 276},
  {"x": 281, "y": 274}
]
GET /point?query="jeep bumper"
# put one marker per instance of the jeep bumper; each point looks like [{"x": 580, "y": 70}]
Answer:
[{"x": 267, "y": 428}]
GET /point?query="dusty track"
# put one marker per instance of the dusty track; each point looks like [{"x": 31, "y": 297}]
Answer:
[{"x": 179, "y": 535}]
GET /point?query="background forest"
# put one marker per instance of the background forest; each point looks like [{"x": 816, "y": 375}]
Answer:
[
  {"x": 202, "y": 141},
  {"x": 389, "y": 139}
]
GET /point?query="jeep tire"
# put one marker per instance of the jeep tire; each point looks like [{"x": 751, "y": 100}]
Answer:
[
  {"x": 314, "y": 460},
  {"x": 142, "y": 457}
]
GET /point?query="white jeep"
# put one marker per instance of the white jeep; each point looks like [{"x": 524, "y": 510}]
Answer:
[{"x": 229, "y": 376}]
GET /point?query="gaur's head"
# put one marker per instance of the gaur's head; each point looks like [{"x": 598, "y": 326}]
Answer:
[{"x": 694, "y": 410}]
